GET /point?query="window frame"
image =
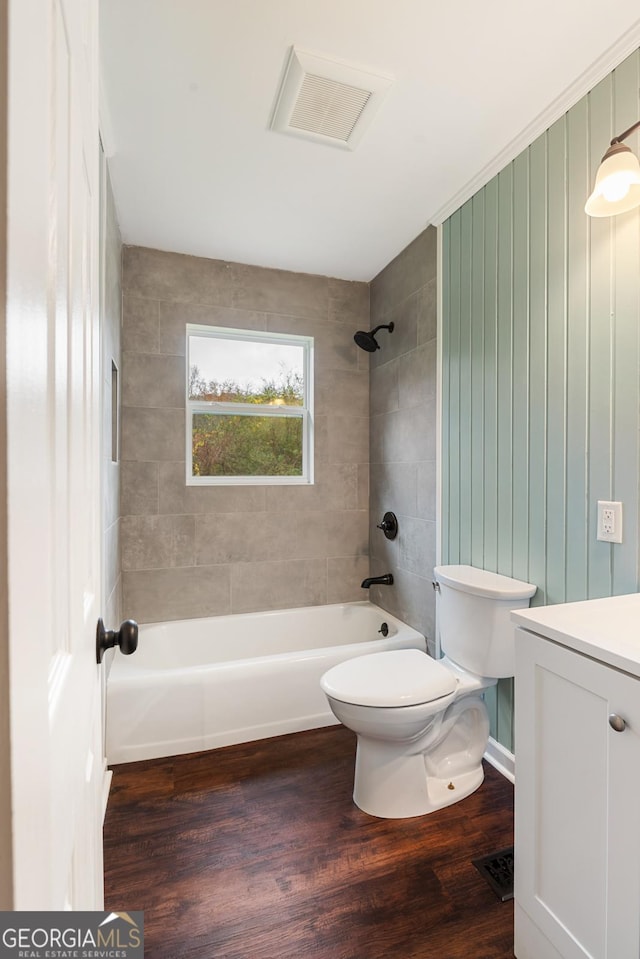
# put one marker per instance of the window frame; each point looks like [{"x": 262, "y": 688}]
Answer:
[{"x": 304, "y": 412}]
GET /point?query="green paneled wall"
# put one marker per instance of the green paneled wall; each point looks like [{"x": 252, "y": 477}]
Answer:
[{"x": 541, "y": 331}]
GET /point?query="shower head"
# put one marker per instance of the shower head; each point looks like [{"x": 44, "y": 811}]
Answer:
[{"x": 367, "y": 341}]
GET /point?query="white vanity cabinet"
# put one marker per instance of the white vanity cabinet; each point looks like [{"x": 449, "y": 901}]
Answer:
[{"x": 577, "y": 744}]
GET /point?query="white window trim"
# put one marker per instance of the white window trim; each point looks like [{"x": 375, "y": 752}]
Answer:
[{"x": 304, "y": 412}]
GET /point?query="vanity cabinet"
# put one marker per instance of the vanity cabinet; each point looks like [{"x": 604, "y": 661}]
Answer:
[{"x": 577, "y": 809}]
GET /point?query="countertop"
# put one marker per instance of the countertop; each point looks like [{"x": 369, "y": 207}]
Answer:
[{"x": 604, "y": 629}]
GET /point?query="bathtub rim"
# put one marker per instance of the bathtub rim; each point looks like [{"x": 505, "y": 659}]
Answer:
[{"x": 126, "y": 669}]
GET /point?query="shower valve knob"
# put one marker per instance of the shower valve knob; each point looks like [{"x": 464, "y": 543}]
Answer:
[
  {"x": 389, "y": 525},
  {"x": 126, "y": 638}
]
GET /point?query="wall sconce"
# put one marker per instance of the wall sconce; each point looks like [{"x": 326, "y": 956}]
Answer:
[{"x": 617, "y": 186}]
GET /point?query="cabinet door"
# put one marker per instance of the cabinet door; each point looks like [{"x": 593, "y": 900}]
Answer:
[{"x": 577, "y": 804}]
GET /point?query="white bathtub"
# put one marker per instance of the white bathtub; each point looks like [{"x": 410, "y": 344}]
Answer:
[{"x": 203, "y": 683}]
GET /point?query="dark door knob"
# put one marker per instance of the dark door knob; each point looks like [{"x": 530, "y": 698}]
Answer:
[{"x": 126, "y": 638}]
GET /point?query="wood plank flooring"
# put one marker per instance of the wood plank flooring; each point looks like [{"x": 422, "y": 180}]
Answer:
[{"x": 257, "y": 852}]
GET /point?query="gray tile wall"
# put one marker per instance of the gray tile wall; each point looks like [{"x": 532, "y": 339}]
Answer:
[
  {"x": 111, "y": 324},
  {"x": 403, "y": 433},
  {"x": 194, "y": 551}
]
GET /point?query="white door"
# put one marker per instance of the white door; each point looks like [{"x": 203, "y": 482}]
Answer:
[{"x": 53, "y": 453}]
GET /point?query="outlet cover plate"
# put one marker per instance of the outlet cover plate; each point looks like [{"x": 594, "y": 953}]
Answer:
[{"x": 609, "y": 521}]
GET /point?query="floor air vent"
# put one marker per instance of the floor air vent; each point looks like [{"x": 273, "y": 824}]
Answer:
[
  {"x": 327, "y": 100},
  {"x": 497, "y": 870}
]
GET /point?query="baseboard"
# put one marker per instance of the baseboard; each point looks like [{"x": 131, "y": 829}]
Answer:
[{"x": 501, "y": 759}]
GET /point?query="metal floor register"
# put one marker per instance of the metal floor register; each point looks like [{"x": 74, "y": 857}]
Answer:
[{"x": 497, "y": 870}]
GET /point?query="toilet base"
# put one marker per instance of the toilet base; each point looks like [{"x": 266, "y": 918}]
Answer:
[{"x": 397, "y": 787}]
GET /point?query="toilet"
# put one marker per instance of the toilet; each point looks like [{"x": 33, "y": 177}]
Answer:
[{"x": 421, "y": 724}]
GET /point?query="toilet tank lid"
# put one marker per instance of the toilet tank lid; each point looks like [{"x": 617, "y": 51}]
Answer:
[{"x": 481, "y": 582}]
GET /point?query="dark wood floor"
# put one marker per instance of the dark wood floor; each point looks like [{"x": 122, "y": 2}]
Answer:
[{"x": 257, "y": 852}]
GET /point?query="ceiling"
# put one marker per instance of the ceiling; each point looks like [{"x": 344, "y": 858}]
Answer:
[{"x": 189, "y": 87}]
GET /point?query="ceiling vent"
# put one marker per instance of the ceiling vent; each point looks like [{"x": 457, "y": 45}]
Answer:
[{"x": 327, "y": 100}]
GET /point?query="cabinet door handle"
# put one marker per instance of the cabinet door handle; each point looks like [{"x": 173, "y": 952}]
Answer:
[{"x": 617, "y": 722}]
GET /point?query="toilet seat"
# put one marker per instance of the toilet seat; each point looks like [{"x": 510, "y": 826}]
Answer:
[{"x": 399, "y": 677}]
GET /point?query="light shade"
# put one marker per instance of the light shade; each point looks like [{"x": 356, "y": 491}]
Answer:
[{"x": 617, "y": 187}]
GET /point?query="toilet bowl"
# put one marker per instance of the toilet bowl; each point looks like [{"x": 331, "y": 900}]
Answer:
[{"x": 422, "y": 725}]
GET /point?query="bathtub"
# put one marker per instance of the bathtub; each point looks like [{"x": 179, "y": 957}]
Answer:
[{"x": 202, "y": 683}]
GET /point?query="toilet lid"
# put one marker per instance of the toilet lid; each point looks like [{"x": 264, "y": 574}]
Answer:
[{"x": 399, "y": 677}]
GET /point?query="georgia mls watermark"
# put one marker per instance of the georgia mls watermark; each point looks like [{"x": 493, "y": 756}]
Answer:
[{"x": 72, "y": 935}]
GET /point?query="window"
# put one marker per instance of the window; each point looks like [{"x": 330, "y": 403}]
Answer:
[{"x": 249, "y": 407}]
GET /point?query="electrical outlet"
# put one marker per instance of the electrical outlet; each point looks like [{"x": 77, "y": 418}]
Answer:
[{"x": 609, "y": 521}]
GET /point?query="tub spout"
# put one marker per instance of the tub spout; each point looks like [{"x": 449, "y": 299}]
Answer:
[{"x": 386, "y": 580}]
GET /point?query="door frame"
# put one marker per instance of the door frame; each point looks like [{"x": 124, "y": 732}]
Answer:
[{"x": 6, "y": 869}]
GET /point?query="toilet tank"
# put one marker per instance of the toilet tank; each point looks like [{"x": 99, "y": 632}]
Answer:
[{"x": 475, "y": 626}]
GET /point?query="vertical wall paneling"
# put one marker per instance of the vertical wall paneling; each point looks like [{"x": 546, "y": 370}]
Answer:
[
  {"x": 555, "y": 430},
  {"x": 520, "y": 336},
  {"x": 541, "y": 351},
  {"x": 491, "y": 702},
  {"x": 505, "y": 369},
  {"x": 503, "y": 723},
  {"x": 578, "y": 352},
  {"x": 537, "y": 366},
  {"x": 626, "y": 303},
  {"x": 490, "y": 438},
  {"x": 503, "y": 720},
  {"x": 477, "y": 381},
  {"x": 453, "y": 410},
  {"x": 465, "y": 382},
  {"x": 600, "y": 305}
]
